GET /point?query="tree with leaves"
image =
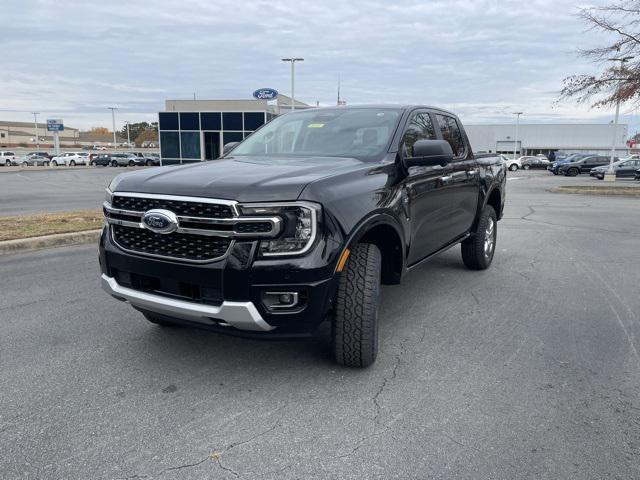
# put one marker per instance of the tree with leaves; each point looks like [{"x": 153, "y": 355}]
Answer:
[
  {"x": 136, "y": 129},
  {"x": 619, "y": 81}
]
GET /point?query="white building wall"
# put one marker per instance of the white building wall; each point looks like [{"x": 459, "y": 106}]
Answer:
[{"x": 588, "y": 138}]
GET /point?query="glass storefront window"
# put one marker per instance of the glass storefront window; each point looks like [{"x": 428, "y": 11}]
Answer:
[
  {"x": 190, "y": 144},
  {"x": 168, "y": 120},
  {"x": 211, "y": 120},
  {"x": 228, "y": 137},
  {"x": 253, "y": 120},
  {"x": 189, "y": 121},
  {"x": 169, "y": 144},
  {"x": 232, "y": 120}
]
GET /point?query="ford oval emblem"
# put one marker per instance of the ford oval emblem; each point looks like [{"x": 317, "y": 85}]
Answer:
[
  {"x": 265, "y": 94},
  {"x": 160, "y": 221}
]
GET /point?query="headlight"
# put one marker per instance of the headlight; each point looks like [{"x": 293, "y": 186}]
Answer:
[
  {"x": 108, "y": 195},
  {"x": 300, "y": 226}
]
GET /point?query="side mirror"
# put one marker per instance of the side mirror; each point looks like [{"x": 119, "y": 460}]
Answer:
[
  {"x": 228, "y": 147},
  {"x": 430, "y": 152}
]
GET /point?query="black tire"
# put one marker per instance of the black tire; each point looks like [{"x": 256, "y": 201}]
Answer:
[
  {"x": 149, "y": 163},
  {"x": 131, "y": 164},
  {"x": 355, "y": 322},
  {"x": 25, "y": 164},
  {"x": 572, "y": 172},
  {"x": 478, "y": 250},
  {"x": 92, "y": 164},
  {"x": 513, "y": 167},
  {"x": 72, "y": 163},
  {"x": 54, "y": 163},
  {"x": 555, "y": 173},
  {"x": 157, "y": 321},
  {"x": 114, "y": 163},
  {"x": 45, "y": 164},
  {"x": 7, "y": 163}
]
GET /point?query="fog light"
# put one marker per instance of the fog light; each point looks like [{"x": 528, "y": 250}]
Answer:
[
  {"x": 286, "y": 299},
  {"x": 280, "y": 300}
]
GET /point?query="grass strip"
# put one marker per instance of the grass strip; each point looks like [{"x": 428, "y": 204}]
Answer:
[{"x": 27, "y": 226}]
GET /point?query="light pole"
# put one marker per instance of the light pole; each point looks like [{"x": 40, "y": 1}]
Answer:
[
  {"x": 113, "y": 119},
  {"x": 293, "y": 62},
  {"x": 35, "y": 124},
  {"x": 128, "y": 137},
  {"x": 610, "y": 175},
  {"x": 515, "y": 143}
]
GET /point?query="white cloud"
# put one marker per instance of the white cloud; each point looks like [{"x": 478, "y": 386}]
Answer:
[{"x": 482, "y": 58}]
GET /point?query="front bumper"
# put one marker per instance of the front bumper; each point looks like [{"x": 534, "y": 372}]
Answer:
[
  {"x": 226, "y": 295},
  {"x": 241, "y": 315}
]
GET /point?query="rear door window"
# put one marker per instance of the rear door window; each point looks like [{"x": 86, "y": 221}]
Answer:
[{"x": 451, "y": 133}]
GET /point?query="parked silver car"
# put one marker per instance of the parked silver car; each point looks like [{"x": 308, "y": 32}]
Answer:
[
  {"x": 126, "y": 160},
  {"x": 31, "y": 161}
]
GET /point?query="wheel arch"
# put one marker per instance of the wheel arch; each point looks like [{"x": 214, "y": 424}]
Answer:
[{"x": 383, "y": 231}]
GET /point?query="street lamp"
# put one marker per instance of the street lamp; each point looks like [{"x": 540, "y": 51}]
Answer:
[
  {"x": 293, "y": 61},
  {"x": 35, "y": 124},
  {"x": 128, "y": 137},
  {"x": 515, "y": 144},
  {"x": 113, "y": 119},
  {"x": 610, "y": 175}
]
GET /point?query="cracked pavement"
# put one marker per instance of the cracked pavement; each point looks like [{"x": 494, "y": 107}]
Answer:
[{"x": 527, "y": 370}]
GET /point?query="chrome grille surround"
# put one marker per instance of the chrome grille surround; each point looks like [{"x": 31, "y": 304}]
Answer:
[{"x": 204, "y": 233}]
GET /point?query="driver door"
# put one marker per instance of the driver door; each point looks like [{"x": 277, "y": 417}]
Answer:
[{"x": 424, "y": 188}]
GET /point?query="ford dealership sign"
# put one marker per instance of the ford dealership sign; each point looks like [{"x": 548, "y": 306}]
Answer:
[{"x": 265, "y": 94}]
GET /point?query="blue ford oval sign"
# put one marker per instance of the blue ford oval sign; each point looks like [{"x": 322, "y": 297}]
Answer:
[
  {"x": 160, "y": 221},
  {"x": 265, "y": 94}
]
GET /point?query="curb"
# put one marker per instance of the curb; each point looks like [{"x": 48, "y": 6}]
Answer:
[
  {"x": 48, "y": 241},
  {"x": 598, "y": 190}
]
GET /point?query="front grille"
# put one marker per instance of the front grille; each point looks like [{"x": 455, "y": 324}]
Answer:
[
  {"x": 253, "y": 227},
  {"x": 181, "y": 246},
  {"x": 179, "y": 207}
]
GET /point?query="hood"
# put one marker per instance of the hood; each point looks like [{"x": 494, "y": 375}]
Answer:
[{"x": 245, "y": 179}]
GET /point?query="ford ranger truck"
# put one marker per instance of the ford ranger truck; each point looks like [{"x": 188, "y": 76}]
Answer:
[{"x": 300, "y": 223}]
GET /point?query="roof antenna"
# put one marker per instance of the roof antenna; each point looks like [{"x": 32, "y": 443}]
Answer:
[{"x": 338, "y": 89}]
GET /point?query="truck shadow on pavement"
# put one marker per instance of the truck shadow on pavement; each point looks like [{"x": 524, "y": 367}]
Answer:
[{"x": 403, "y": 307}]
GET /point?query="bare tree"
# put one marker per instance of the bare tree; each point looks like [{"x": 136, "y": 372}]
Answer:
[{"x": 618, "y": 81}]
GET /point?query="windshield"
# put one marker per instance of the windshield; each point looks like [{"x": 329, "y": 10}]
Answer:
[{"x": 361, "y": 133}]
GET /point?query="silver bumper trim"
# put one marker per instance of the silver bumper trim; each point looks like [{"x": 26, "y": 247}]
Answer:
[{"x": 241, "y": 315}]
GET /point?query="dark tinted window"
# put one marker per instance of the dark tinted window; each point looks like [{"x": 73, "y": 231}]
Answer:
[
  {"x": 451, "y": 133},
  {"x": 189, "y": 121},
  {"x": 420, "y": 127},
  {"x": 190, "y": 144},
  {"x": 232, "y": 120},
  {"x": 211, "y": 120},
  {"x": 168, "y": 120},
  {"x": 253, "y": 120},
  {"x": 229, "y": 137},
  {"x": 169, "y": 145}
]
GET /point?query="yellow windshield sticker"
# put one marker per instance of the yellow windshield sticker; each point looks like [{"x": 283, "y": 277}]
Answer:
[{"x": 315, "y": 125}]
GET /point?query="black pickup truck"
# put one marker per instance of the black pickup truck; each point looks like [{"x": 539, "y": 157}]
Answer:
[{"x": 300, "y": 223}]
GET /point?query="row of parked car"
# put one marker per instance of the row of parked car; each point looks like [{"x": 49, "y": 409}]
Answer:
[
  {"x": 596, "y": 166},
  {"x": 71, "y": 159},
  {"x": 526, "y": 162}
]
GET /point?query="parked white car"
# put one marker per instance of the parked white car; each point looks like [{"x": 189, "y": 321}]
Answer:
[
  {"x": 71, "y": 159},
  {"x": 511, "y": 163},
  {"x": 6, "y": 158}
]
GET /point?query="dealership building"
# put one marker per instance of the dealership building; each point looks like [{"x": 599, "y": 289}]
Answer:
[
  {"x": 197, "y": 130},
  {"x": 535, "y": 138}
]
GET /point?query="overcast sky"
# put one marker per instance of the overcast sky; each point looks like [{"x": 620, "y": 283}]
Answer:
[{"x": 481, "y": 59}]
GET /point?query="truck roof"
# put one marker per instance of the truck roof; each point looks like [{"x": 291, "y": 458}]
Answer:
[{"x": 391, "y": 106}]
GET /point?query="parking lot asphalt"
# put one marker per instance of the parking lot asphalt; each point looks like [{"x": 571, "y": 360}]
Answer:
[
  {"x": 530, "y": 369},
  {"x": 54, "y": 190}
]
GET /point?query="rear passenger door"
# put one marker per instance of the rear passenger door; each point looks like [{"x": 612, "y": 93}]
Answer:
[{"x": 462, "y": 181}]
